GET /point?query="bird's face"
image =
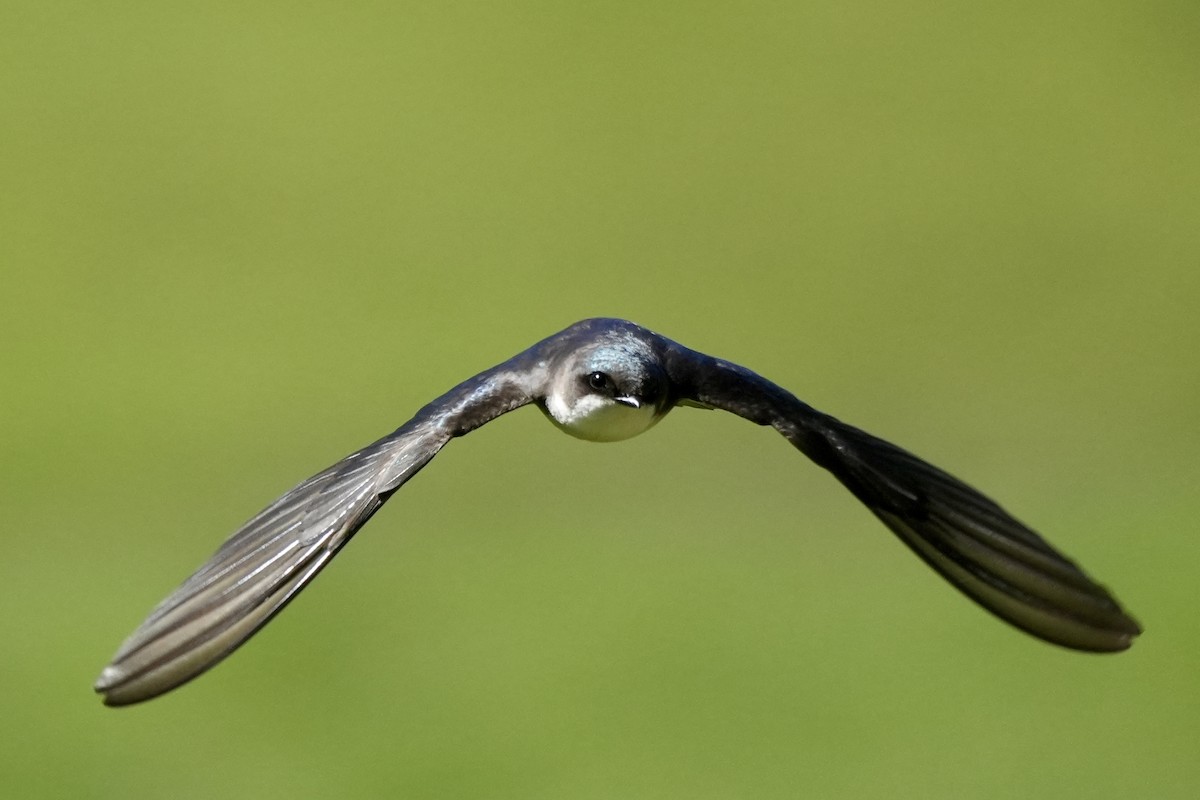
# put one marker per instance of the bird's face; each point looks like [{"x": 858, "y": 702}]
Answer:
[{"x": 608, "y": 393}]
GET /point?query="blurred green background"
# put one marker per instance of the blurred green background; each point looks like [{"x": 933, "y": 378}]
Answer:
[{"x": 241, "y": 240}]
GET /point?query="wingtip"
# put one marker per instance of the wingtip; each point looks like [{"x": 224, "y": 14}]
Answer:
[
  {"x": 1132, "y": 630},
  {"x": 118, "y": 688},
  {"x": 110, "y": 677},
  {"x": 1115, "y": 639}
]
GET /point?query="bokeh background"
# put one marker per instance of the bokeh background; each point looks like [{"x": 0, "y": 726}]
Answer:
[{"x": 240, "y": 240}]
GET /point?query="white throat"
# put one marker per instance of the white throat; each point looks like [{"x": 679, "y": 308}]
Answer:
[{"x": 600, "y": 419}]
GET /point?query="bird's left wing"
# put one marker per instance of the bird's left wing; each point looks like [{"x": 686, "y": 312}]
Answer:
[
  {"x": 281, "y": 549},
  {"x": 970, "y": 540}
]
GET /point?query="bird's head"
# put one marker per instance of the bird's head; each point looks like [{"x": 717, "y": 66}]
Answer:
[{"x": 607, "y": 392}]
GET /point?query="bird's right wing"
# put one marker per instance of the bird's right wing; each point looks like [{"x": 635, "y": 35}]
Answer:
[
  {"x": 262, "y": 567},
  {"x": 278, "y": 552}
]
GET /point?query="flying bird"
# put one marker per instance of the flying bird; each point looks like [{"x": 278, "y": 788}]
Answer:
[{"x": 605, "y": 380}]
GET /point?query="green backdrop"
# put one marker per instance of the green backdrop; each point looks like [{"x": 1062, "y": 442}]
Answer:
[{"x": 240, "y": 240}]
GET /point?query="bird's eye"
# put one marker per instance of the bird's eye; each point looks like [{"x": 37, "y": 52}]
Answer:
[{"x": 600, "y": 382}]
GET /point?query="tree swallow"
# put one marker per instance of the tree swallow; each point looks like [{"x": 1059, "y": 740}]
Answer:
[{"x": 605, "y": 380}]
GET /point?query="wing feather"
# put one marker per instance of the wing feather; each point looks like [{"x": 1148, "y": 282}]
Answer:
[
  {"x": 261, "y": 568},
  {"x": 970, "y": 540},
  {"x": 263, "y": 565}
]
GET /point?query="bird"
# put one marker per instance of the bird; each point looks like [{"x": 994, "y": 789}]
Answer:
[{"x": 605, "y": 380}]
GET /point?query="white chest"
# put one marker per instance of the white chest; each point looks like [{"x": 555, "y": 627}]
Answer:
[{"x": 600, "y": 419}]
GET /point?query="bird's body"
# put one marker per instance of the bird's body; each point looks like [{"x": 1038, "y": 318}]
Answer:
[{"x": 607, "y": 380}]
